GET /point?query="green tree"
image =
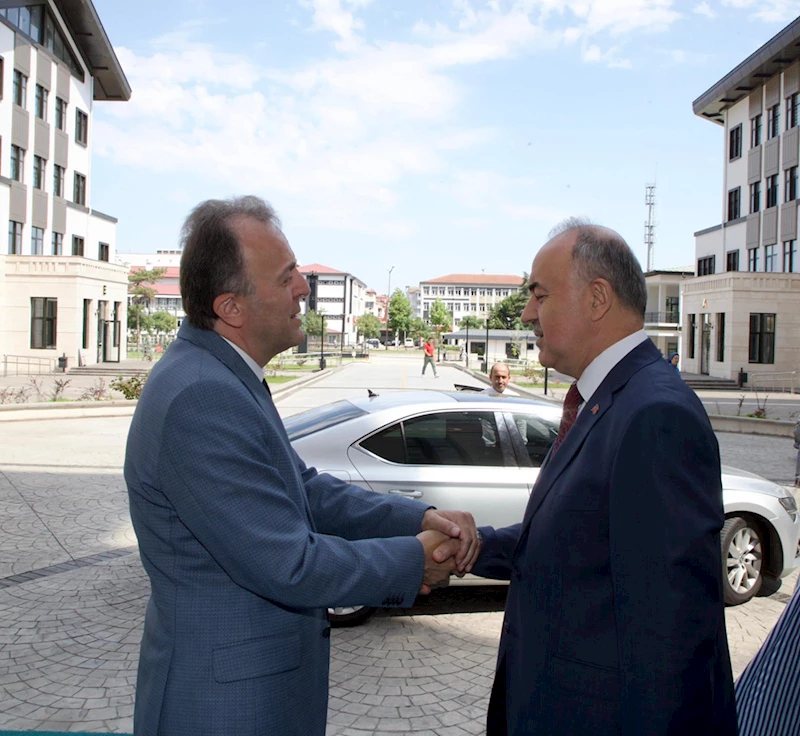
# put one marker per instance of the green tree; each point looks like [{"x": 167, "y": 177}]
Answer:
[
  {"x": 440, "y": 316},
  {"x": 507, "y": 314},
  {"x": 418, "y": 329},
  {"x": 314, "y": 324},
  {"x": 142, "y": 294},
  {"x": 399, "y": 313},
  {"x": 164, "y": 322},
  {"x": 368, "y": 326},
  {"x": 137, "y": 316},
  {"x": 471, "y": 321}
]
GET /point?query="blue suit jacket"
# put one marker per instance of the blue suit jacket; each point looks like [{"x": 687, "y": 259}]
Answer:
[
  {"x": 614, "y": 622},
  {"x": 245, "y": 548}
]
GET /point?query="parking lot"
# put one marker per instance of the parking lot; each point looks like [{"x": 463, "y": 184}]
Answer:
[{"x": 72, "y": 590}]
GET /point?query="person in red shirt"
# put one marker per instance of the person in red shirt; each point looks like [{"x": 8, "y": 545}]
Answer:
[{"x": 428, "y": 350}]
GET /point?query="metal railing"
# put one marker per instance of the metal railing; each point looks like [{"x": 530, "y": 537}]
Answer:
[
  {"x": 778, "y": 381},
  {"x": 660, "y": 318},
  {"x": 25, "y": 365}
]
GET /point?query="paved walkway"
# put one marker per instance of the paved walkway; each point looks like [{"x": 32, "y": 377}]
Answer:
[{"x": 73, "y": 592}]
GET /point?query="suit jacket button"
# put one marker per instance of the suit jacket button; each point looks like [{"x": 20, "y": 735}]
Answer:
[{"x": 326, "y": 632}]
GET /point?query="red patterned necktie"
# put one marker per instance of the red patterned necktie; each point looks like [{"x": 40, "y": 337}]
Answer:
[{"x": 571, "y": 403}]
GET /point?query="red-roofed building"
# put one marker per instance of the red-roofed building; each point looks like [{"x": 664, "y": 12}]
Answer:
[
  {"x": 168, "y": 290},
  {"x": 467, "y": 294}
]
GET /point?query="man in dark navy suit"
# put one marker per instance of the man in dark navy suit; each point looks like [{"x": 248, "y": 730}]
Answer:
[{"x": 614, "y": 622}]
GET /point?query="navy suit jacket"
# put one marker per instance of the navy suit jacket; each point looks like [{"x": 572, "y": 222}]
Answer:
[
  {"x": 246, "y": 548},
  {"x": 614, "y": 622}
]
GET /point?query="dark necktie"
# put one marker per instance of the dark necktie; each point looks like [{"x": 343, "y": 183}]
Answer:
[
  {"x": 266, "y": 386},
  {"x": 569, "y": 415}
]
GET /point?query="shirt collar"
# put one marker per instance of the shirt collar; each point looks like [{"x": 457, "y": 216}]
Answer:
[
  {"x": 602, "y": 365},
  {"x": 251, "y": 364}
]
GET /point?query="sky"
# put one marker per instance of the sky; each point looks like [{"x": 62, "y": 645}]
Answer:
[{"x": 428, "y": 137}]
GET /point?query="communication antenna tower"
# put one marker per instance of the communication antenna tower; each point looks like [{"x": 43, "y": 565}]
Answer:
[{"x": 650, "y": 225}]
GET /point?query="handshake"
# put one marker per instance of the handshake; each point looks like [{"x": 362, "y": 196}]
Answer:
[{"x": 451, "y": 544}]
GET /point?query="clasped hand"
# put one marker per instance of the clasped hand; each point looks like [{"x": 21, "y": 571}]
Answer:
[{"x": 451, "y": 545}]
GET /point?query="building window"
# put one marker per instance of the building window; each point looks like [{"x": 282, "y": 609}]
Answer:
[
  {"x": 37, "y": 241},
  {"x": 790, "y": 256},
  {"x": 792, "y": 111},
  {"x": 2, "y": 73},
  {"x": 43, "y": 322},
  {"x": 692, "y": 334},
  {"x": 705, "y": 266},
  {"x": 102, "y": 251},
  {"x": 790, "y": 186},
  {"x": 58, "y": 180},
  {"x": 721, "y": 337},
  {"x": 732, "y": 261},
  {"x": 61, "y": 114},
  {"x": 87, "y": 322},
  {"x": 14, "y": 238},
  {"x": 762, "y": 338},
  {"x": 80, "y": 189},
  {"x": 38, "y": 172},
  {"x": 17, "y": 162},
  {"x": 735, "y": 143},
  {"x": 755, "y": 131},
  {"x": 41, "y": 102},
  {"x": 58, "y": 243},
  {"x": 77, "y": 245},
  {"x": 752, "y": 259},
  {"x": 734, "y": 203},
  {"x": 772, "y": 190},
  {"x": 20, "y": 88},
  {"x": 773, "y": 121},
  {"x": 755, "y": 197},
  {"x": 81, "y": 127},
  {"x": 770, "y": 258}
]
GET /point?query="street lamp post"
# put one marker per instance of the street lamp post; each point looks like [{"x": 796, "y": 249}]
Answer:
[
  {"x": 486, "y": 351},
  {"x": 388, "y": 299},
  {"x": 467, "y": 364}
]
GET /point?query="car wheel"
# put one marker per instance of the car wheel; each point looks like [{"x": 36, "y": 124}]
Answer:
[
  {"x": 349, "y": 615},
  {"x": 742, "y": 556}
]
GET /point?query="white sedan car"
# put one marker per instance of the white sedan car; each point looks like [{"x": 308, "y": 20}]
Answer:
[{"x": 482, "y": 454}]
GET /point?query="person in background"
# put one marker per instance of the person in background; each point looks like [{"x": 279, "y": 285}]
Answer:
[
  {"x": 428, "y": 351},
  {"x": 673, "y": 360},
  {"x": 499, "y": 376}
]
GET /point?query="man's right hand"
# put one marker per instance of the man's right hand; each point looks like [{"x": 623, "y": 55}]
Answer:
[{"x": 435, "y": 572}]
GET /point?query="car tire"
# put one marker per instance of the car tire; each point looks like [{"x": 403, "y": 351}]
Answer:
[
  {"x": 742, "y": 558},
  {"x": 349, "y": 616}
]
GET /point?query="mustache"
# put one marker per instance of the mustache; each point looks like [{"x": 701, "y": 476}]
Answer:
[{"x": 537, "y": 329}]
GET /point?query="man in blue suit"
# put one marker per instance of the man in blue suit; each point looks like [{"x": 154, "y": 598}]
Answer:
[
  {"x": 614, "y": 622},
  {"x": 245, "y": 546}
]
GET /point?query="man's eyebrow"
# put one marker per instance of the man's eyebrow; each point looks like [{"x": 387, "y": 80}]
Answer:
[
  {"x": 533, "y": 285},
  {"x": 286, "y": 271}
]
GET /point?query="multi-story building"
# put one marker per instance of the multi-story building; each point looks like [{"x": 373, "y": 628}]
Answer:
[
  {"x": 662, "y": 320},
  {"x": 60, "y": 291},
  {"x": 742, "y": 312},
  {"x": 413, "y": 295},
  {"x": 340, "y": 297},
  {"x": 168, "y": 289},
  {"x": 467, "y": 294}
]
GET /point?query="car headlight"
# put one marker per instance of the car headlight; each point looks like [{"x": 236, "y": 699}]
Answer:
[{"x": 790, "y": 505}]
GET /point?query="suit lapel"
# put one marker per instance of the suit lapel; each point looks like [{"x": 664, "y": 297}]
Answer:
[{"x": 591, "y": 413}]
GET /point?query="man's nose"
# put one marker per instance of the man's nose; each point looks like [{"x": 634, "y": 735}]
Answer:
[{"x": 530, "y": 312}]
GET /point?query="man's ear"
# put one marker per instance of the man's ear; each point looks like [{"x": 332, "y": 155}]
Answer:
[
  {"x": 602, "y": 296},
  {"x": 228, "y": 308}
]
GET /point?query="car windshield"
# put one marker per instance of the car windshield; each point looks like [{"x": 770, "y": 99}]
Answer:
[{"x": 313, "y": 420}]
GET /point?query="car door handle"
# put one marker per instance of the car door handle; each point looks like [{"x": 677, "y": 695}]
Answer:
[{"x": 410, "y": 494}]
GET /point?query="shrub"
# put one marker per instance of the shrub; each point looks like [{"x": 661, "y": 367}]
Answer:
[{"x": 130, "y": 388}]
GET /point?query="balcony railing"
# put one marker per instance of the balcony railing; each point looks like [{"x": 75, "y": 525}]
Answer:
[{"x": 670, "y": 318}]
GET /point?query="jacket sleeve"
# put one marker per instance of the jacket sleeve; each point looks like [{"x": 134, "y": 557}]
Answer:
[
  {"x": 233, "y": 482},
  {"x": 345, "y": 510},
  {"x": 494, "y": 561},
  {"x": 665, "y": 516}
]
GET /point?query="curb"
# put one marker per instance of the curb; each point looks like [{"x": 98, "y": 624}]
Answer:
[{"x": 122, "y": 407}]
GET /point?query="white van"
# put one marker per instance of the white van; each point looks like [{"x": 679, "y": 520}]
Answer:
[{"x": 409, "y": 343}]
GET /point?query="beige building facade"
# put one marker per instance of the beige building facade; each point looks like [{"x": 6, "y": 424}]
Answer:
[
  {"x": 61, "y": 294},
  {"x": 741, "y": 315}
]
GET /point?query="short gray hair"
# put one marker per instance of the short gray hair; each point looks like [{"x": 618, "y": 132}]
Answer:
[
  {"x": 212, "y": 262},
  {"x": 601, "y": 253}
]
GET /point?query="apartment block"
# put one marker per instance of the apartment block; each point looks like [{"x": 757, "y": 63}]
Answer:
[{"x": 467, "y": 294}]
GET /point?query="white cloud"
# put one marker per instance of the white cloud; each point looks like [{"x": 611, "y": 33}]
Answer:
[
  {"x": 339, "y": 138},
  {"x": 768, "y": 11},
  {"x": 704, "y": 9}
]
